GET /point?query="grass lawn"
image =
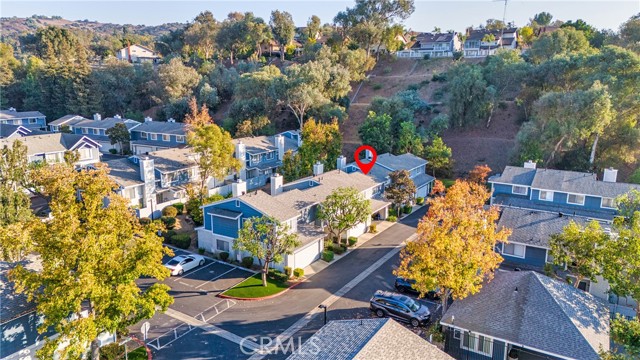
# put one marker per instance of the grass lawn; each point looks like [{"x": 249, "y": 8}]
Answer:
[
  {"x": 252, "y": 288},
  {"x": 138, "y": 354},
  {"x": 447, "y": 182}
]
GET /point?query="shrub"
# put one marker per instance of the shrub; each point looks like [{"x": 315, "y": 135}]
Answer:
[
  {"x": 224, "y": 256},
  {"x": 181, "y": 240},
  {"x": 327, "y": 255},
  {"x": 352, "y": 240},
  {"x": 392, "y": 218},
  {"x": 377, "y": 86},
  {"x": 393, "y": 212},
  {"x": 339, "y": 249},
  {"x": 407, "y": 209},
  {"x": 427, "y": 56},
  {"x": 145, "y": 221},
  {"x": 179, "y": 207},
  {"x": 276, "y": 275},
  {"x": 170, "y": 211},
  {"x": 502, "y": 105},
  {"x": 298, "y": 272},
  {"x": 548, "y": 269},
  {"x": 169, "y": 222},
  {"x": 288, "y": 271},
  {"x": 439, "y": 78},
  {"x": 113, "y": 151},
  {"x": 387, "y": 70},
  {"x": 167, "y": 235},
  {"x": 413, "y": 87},
  {"x": 373, "y": 228},
  {"x": 112, "y": 351},
  {"x": 420, "y": 201},
  {"x": 201, "y": 251},
  {"x": 247, "y": 261}
]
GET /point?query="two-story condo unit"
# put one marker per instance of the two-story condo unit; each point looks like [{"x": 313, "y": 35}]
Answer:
[
  {"x": 525, "y": 315},
  {"x": 52, "y": 147},
  {"x": 97, "y": 128},
  {"x": 29, "y": 119},
  {"x": 157, "y": 135},
  {"x": 387, "y": 163},
  {"x": 66, "y": 123},
  {"x": 13, "y": 131},
  {"x": 538, "y": 203},
  {"x": 260, "y": 156},
  {"x": 138, "y": 54},
  {"x": 295, "y": 204},
  {"x": 483, "y": 42},
  {"x": 433, "y": 45}
]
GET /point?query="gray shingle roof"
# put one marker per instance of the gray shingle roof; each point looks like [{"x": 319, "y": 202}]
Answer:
[
  {"x": 367, "y": 339},
  {"x": 422, "y": 180},
  {"x": 435, "y": 37},
  {"x": 225, "y": 213},
  {"x": 578, "y": 182},
  {"x": 515, "y": 175},
  {"x": 68, "y": 120},
  {"x": 14, "y": 304},
  {"x": 124, "y": 172},
  {"x": 511, "y": 201},
  {"x": 7, "y": 115},
  {"x": 532, "y": 227},
  {"x": 7, "y": 130},
  {"x": 173, "y": 159},
  {"x": 162, "y": 127},
  {"x": 543, "y": 314},
  {"x": 406, "y": 161},
  {"x": 106, "y": 123},
  {"x": 478, "y": 34},
  {"x": 46, "y": 143},
  {"x": 260, "y": 144}
]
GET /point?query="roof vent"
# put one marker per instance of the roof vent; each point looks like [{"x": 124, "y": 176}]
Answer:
[
  {"x": 516, "y": 289},
  {"x": 12, "y": 109},
  {"x": 560, "y": 215},
  {"x": 530, "y": 164},
  {"x": 171, "y": 120}
]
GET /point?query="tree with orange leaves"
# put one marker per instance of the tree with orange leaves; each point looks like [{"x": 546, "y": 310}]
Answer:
[
  {"x": 454, "y": 253},
  {"x": 479, "y": 174},
  {"x": 197, "y": 117},
  {"x": 438, "y": 188}
]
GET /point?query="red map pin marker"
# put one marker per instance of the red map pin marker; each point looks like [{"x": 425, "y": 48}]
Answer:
[{"x": 365, "y": 167}]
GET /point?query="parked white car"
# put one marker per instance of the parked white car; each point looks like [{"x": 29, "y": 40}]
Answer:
[{"x": 181, "y": 263}]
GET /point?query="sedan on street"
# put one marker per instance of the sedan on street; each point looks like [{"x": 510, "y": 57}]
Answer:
[{"x": 181, "y": 263}]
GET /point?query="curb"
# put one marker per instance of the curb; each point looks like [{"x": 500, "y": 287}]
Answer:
[{"x": 263, "y": 297}]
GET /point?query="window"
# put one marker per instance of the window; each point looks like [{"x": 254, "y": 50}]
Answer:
[
  {"x": 237, "y": 203},
  {"x": 515, "y": 250},
  {"x": 32, "y": 121},
  {"x": 180, "y": 138},
  {"x": 153, "y": 136},
  {"x": 255, "y": 158},
  {"x": 96, "y": 131},
  {"x": 456, "y": 334},
  {"x": 519, "y": 190},
  {"x": 608, "y": 203},
  {"x": 545, "y": 195},
  {"x": 575, "y": 199},
  {"x": 85, "y": 130},
  {"x": 143, "y": 135},
  {"x": 477, "y": 343},
  {"x": 17, "y": 122},
  {"x": 270, "y": 155},
  {"x": 54, "y": 128},
  {"x": 85, "y": 154},
  {"x": 166, "y": 138},
  {"x": 222, "y": 245}
]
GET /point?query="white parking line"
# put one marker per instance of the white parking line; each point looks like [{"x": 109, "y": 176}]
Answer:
[
  {"x": 191, "y": 272},
  {"x": 215, "y": 278}
]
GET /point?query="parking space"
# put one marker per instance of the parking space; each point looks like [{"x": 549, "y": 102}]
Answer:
[{"x": 199, "y": 344}]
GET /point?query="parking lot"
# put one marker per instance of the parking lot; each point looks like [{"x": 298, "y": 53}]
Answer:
[{"x": 195, "y": 295}]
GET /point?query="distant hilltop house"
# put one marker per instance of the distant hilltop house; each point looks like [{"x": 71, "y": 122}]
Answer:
[
  {"x": 482, "y": 42},
  {"x": 272, "y": 47},
  {"x": 29, "y": 119},
  {"x": 138, "y": 54},
  {"x": 432, "y": 45}
]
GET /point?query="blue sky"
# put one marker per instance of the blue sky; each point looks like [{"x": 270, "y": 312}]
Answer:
[{"x": 450, "y": 14}]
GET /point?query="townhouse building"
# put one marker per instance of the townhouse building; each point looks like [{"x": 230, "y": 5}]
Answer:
[
  {"x": 28, "y": 119},
  {"x": 434, "y": 45},
  {"x": 52, "y": 148},
  {"x": 153, "y": 135},
  {"x": 482, "y": 42},
  {"x": 95, "y": 128}
]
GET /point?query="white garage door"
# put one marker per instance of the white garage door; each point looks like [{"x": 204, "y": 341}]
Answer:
[
  {"x": 358, "y": 230},
  {"x": 422, "y": 192},
  {"x": 306, "y": 256}
]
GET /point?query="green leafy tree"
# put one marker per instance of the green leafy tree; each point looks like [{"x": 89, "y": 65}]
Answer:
[
  {"x": 409, "y": 141},
  {"x": 200, "y": 35},
  {"x": 376, "y": 131},
  {"x": 455, "y": 249},
  {"x": 178, "y": 80},
  {"x": 213, "y": 148},
  {"x": 105, "y": 250},
  {"x": 401, "y": 190},
  {"x": 119, "y": 134},
  {"x": 283, "y": 29},
  {"x": 342, "y": 210},
  {"x": 627, "y": 333},
  {"x": 313, "y": 28},
  {"x": 628, "y": 204},
  {"x": 292, "y": 167},
  {"x": 543, "y": 18},
  {"x": 471, "y": 97},
  {"x": 113, "y": 86},
  {"x": 526, "y": 34},
  {"x": 580, "y": 248},
  {"x": 564, "y": 41},
  {"x": 266, "y": 239},
  {"x": 630, "y": 34},
  {"x": 438, "y": 156}
]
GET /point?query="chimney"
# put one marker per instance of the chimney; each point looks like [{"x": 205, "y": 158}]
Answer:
[
  {"x": 276, "y": 184},
  {"x": 530, "y": 165},
  {"x": 238, "y": 188},
  {"x": 117, "y": 116},
  {"x": 241, "y": 155},
  {"x": 341, "y": 162},
  {"x": 171, "y": 120},
  {"x": 12, "y": 109},
  {"x": 318, "y": 168},
  {"x": 97, "y": 117},
  {"x": 148, "y": 175},
  {"x": 368, "y": 155},
  {"x": 279, "y": 144},
  {"x": 610, "y": 175},
  {"x": 148, "y": 119}
]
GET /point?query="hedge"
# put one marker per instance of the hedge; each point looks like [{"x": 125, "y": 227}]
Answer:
[
  {"x": 167, "y": 235},
  {"x": 277, "y": 275},
  {"x": 145, "y": 221},
  {"x": 352, "y": 240},
  {"x": 224, "y": 256},
  {"x": 392, "y": 218},
  {"x": 339, "y": 249},
  {"x": 183, "y": 241},
  {"x": 327, "y": 255},
  {"x": 179, "y": 207},
  {"x": 169, "y": 222},
  {"x": 288, "y": 271},
  {"x": 170, "y": 211},
  {"x": 407, "y": 209},
  {"x": 420, "y": 201},
  {"x": 298, "y": 272},
  {"x": 247, "y": 261}
]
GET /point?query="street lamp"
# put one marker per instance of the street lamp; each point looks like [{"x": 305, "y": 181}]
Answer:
[{"x": 324, "y": 307}]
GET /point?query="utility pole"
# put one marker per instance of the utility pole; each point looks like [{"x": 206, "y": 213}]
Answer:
[{"x": 504, "y": 22}]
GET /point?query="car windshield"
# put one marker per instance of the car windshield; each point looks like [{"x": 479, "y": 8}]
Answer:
[
  {"x": 412, "y": 305},
  {"x": 173, "y": 262}
]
